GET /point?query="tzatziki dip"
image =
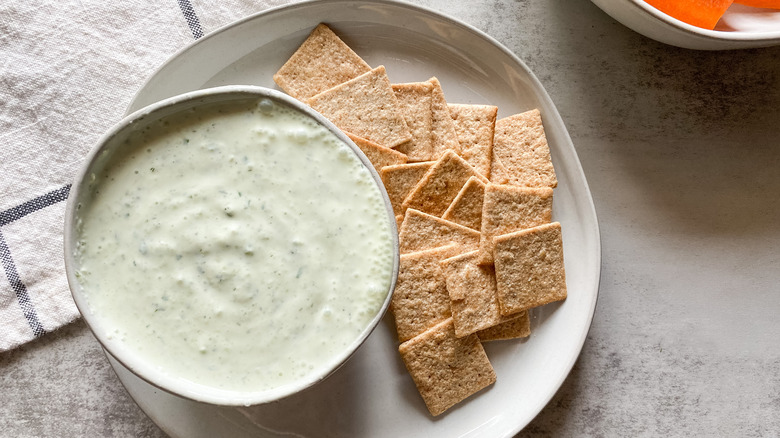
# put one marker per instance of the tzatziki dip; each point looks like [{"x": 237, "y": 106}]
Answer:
[{"x": 240, "y": 246}]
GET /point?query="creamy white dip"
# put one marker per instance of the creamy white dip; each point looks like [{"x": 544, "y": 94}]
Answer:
[{"x": 240, "y": 246}]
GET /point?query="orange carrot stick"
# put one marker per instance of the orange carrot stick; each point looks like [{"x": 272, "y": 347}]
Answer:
[{"x": 701, "y": 13}]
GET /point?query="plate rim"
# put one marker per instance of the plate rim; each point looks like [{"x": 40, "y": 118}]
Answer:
[{"x": 594, "y": 233}]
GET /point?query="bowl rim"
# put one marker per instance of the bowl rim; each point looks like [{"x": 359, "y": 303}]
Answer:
[
  {"x": 742, "y": 36},
  {"x": 145, "y": 370}
]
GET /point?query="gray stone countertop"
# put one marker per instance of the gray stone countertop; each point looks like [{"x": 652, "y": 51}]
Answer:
[{"x": 681, "y": 150}]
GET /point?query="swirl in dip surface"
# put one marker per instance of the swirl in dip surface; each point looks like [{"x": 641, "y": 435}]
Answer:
[{"x": 241, "y": 246}]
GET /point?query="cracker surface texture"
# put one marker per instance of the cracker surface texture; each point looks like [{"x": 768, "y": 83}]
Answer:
[
  {"x": 378, "y": 155},
  {"x": 400, "y": 180},
  {"x": 475, "y": 128},
  {"x": 472, "y": 289},
  {"x": 365, "y": 106},
  {"x": 518, "y": 326},
  {"x": 420, "y": 231},
  {"x": 420, "y": 300},
  {"x": 466, "y": 208},
  {"x": 445, "y": 138},
  {"x": 508, "y": 208},
  {"x": 321, "y": 62},
  {"x": 446, "y": 369},
  {"x": 529, "y": 268},
  {"x": 521, "y": 155},
  {"x": 439, "y": 187},
  {"x": 415, "y": 100}
]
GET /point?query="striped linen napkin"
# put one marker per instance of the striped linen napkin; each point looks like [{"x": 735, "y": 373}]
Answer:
[{"x": 68, "y": 71}]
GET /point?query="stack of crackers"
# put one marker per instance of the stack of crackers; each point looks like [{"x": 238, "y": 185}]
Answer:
[{"x": 473, "y": 201}]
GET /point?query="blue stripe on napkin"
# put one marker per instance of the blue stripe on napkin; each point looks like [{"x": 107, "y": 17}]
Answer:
[
  {"x": 191, "y": 17},
  {"x": 20, "y": 211},
  {"x": 11, "y": 215},
  {"x": 20, "y": 289}
]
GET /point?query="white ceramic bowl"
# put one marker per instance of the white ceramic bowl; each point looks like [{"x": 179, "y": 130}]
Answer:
[
  {"x": 741, "y": 27},
  {"x": 114, "y": 139}
]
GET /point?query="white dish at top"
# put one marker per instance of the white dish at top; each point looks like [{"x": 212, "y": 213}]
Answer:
[
  {"x": 741, "y": 27},
  {"x": 373, "y": 395}
]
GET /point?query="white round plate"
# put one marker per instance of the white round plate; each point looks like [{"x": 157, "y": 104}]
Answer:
[
  {"x": 741, "y": 27},
  {"x": 372, "y": 395}
]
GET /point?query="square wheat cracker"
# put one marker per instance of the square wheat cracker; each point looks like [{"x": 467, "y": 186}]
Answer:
[
  {"x": 415, "y": 99},
  {"x": 420, "y": 299},
  {"x": 519, "y": 326},
  {"x": 420, "y": 231},
  {"x": 437, "y": 189},
  {"x": 529, "y": 268},
  {"x": 521, "y": 155},
  {"x": 321, "y": 62},
  {"x": 365, "y": 106},
  {"x": 508, "y": 208},
  {"x": 446, "y": 369},
  {"x": 378, "y": 155},
  {"x": 475, "y": 126},
  {"x": 443, "y": 131},
  {"x": 400, "y": 180},
  {"x": 466, "y": 208},
  {"x": 472, "y": 289}
]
